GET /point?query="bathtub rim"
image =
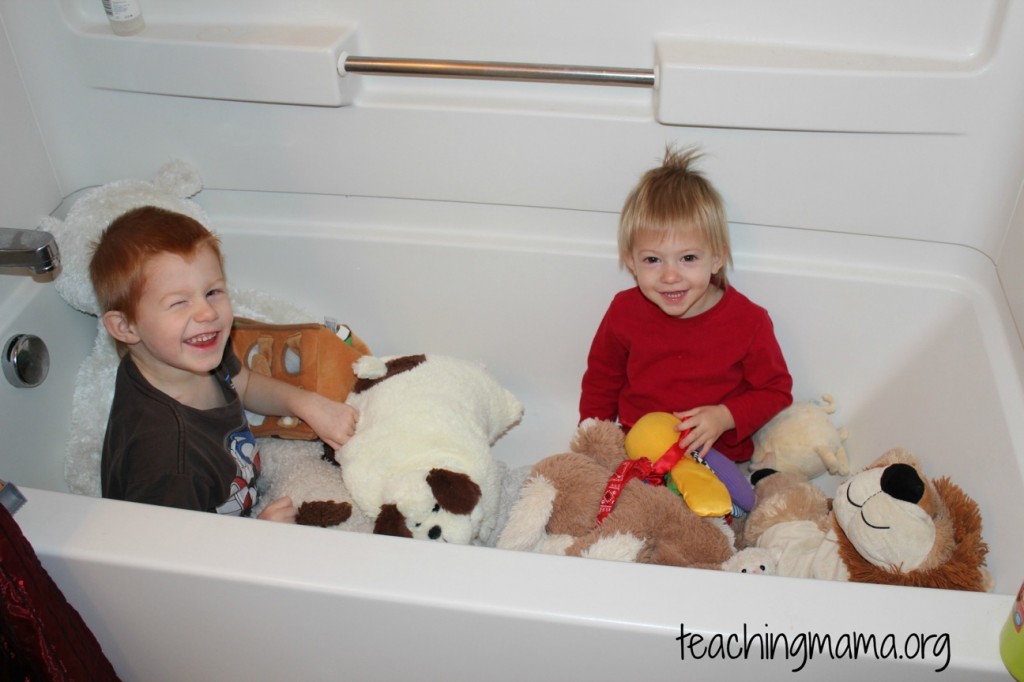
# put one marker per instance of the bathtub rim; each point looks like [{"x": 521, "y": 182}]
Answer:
[{"x": 111, "y": 536}]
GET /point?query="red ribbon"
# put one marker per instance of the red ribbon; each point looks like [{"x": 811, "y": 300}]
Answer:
[
  {"x": 668, "y": 460},
  {"x": 628, "y": 470},
  {"x": 642, "y": 468}
]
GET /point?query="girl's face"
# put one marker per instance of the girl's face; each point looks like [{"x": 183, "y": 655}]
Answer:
[
  {"x": 673, "y": 271},
  {"x": 183, "y": 319}
]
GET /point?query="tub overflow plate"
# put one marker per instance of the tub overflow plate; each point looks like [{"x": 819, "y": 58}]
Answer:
[{"x": 26, "y": 360}]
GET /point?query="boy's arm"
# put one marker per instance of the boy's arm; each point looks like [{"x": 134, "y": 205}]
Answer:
[{"x": 332, "y": 421}]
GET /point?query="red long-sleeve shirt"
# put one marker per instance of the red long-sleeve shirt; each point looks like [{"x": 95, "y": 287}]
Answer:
[{"x": 642, "y": 360}]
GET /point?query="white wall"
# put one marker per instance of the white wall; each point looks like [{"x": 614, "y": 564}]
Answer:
[
  {"x": 1011, "y": 265},
  {"x": 28, "y": 189},
  {"x": 547, "y": 145},
  {"x": 543, "y": 145}
]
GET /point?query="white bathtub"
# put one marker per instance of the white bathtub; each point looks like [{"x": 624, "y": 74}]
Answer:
[
  {"x": 913, "y": 339},
  {"x": 477, "y": 220}
]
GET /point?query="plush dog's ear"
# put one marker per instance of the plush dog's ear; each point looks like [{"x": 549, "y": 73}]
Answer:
[
  {"x": 390, "y": 521},
  {"x": 456, "y": 493},
  {"x": 323, "y": 513}
]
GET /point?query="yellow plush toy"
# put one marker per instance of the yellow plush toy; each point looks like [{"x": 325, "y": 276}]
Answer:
[{"x": 654, "y": 437}]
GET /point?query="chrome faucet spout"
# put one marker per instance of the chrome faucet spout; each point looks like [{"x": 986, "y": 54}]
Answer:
[{"x": 32, "y": 249}]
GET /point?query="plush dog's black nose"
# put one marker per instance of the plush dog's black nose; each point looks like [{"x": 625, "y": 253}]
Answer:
[
  {"x": 903, "y": 482},
  {"x": 434, "y": 533}
]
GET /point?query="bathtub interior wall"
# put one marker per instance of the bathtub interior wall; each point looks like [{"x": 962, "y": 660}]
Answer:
[
  {"x": 36, "y": 422},
  {"x": 867, "y": 173}
]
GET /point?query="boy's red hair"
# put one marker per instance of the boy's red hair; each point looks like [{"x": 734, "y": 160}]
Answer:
[{"x": 119, "y": 258}]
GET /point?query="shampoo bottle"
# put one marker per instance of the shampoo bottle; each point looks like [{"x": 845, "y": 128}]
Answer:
[{"x": 125, "y": 16}]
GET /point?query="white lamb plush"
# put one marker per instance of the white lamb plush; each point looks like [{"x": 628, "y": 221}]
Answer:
[{"x": 420, "y": 460}]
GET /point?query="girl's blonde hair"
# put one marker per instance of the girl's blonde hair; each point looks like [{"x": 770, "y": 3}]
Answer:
[{"x": 675, "y": 197}]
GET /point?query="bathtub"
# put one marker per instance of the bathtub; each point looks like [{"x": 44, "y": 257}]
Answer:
[{"x": 917, "y": 347}]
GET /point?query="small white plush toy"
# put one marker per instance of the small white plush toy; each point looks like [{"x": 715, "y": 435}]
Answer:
[
  {"x": 420, "y": 461},
  {"x": 753, "y": 560},
  {"x": 802, "y": 439}
]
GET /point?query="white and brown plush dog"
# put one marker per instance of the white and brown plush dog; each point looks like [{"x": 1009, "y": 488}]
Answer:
[{"x": 420, "y": 460}]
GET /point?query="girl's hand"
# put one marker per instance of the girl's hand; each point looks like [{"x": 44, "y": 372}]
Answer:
[
  {"x": 281, "y": 510},
  {"x": 705, "y": 425}
]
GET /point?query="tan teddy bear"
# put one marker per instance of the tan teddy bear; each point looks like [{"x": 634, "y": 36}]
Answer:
[
  {"x": 558, "y": 507},
  {"x": 803, "y": 439}
]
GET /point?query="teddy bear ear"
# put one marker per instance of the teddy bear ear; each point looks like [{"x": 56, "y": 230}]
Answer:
[
  {"x": 179, "y": 178},
  {"x": 95, "y": 209}
]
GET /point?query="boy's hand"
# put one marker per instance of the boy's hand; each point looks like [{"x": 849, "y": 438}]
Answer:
[
  {"x": 333, "y": 422},
  {"x": 281, "y": 510},
  {"x": 705, "y": 425}
]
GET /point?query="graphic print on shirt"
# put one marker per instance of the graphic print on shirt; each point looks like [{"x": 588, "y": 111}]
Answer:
[{"x": 243, "y": 495}]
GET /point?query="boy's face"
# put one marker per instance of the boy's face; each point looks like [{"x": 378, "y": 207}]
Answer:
[
  {"x": 673, "y": 271},
  {"x": 183, "y": 319}
]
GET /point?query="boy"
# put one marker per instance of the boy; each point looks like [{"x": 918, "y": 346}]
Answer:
[
  {"x": 682, "y": 340},
  {"x": 177, "y": 434}
]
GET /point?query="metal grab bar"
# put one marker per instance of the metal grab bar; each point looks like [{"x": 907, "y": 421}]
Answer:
[{"x": 541, "y": 73}]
